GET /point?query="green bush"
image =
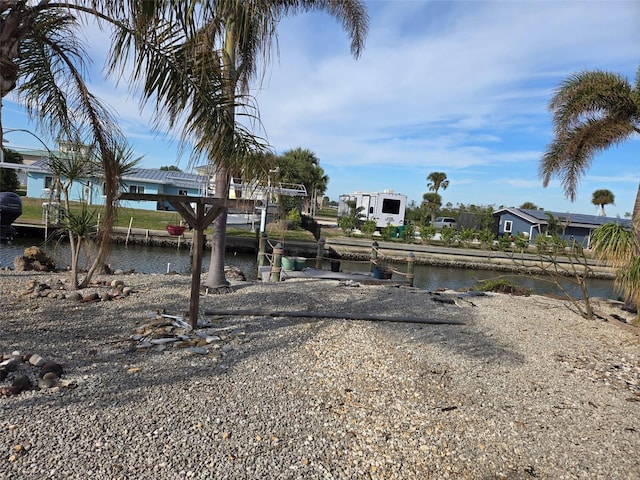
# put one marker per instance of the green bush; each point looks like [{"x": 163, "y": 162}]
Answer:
[
  {"x": 408, "y": 233},
  {"x": 427, "y": 232},
  {"x": 368, "y": 228},
  {"x": 388, "y": 232},
  {"x": 504, "y": 242},
  {"x": 467, "y": 235},
  {"x": 448, "y": 235},
  {"x": 294, "y": 217}
]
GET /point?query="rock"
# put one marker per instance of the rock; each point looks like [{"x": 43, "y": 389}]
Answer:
[
  {"x": 37, "y": 360},
  {"x": 34, "y": 259},
  {"x": 74, "y": 296},
  {"x": 50, "y": 375},
  {"x": 127, "y": 291},
  {"x": 21, "y": 383},
  {"x": 46, "y": 383},
  {"x": 116, "y": 283},
  {"x": 105, "y": 297},
  {"x": 92, "y": 297},
  {"x": 10, "y": 365},
  {"x": 51, "y": 367}
]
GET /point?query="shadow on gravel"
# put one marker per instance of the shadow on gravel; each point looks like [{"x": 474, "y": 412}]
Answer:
[{"x": 102, "y": 351}]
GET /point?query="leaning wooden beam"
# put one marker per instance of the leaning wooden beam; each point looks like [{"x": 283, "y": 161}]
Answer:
[{"x": 338, "y": 315}]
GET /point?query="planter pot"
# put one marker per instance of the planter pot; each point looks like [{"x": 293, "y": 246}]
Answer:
[
  {"x": 300, "y": 263},
  {"x": 335, "y": 265},
  {"x": 288, "y": 263},
  {"x": 176, "y": 230},
  {"x": 382, "y": 273}
]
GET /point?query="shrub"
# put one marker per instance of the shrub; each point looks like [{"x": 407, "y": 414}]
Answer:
[
  {"x": 388, "y": 232},
  {"x": 368, "y": 228},
  {"x": 448, "y": 235},
  {"x": 294, "y": 217},
  {"x": 408, "y": 233},
  {"x": 427, "y": 232}
]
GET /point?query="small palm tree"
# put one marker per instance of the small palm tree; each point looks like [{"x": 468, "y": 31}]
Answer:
[
  {"x": 602, "y": 197},
  {"x": 436, "y": 181}
]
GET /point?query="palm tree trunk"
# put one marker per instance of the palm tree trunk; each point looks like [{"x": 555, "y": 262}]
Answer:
[{"x": 216, "y": 278}]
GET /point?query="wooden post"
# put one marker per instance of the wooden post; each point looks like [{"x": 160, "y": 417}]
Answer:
[
  {"x": 196, "y": 265},
  {"x": 374, "y": 254},
  {"x": 320, "y": 254},
  {"x": 262, "y": 247},
  {"x": 126, "y": 242},
  {"x": 276, "y": 267},
  {"x": 411, "y": 260}
]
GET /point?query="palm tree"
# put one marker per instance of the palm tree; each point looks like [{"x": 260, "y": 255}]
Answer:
[
  {"x": 301, "y": 166},
  {"x": 436, "y": 181},
  {"x": 42, "y": 59},
  {"x": 432, "y": 203},
  {"x": 602, "y": 197},
  {"x": 592, "y": 111},
  {"x": 529, "y": 206},
  {"x": 245, "y": 30}
]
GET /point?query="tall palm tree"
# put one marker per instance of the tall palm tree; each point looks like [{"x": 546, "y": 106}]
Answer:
[
  {"x": 602, "y": 197},
  {"x": 592, "y": 111},
  {"x": 246, "y": 30},
  {"x": 436, "y": 181}
]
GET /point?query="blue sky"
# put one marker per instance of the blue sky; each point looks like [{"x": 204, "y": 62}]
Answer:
[{"x": 460, "y": 87}]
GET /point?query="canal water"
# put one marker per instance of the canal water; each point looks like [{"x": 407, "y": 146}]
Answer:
[{"x": 147, "y": 259}]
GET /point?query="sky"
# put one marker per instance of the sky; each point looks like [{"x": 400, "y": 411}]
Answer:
[{"x": 460, "y": 87}]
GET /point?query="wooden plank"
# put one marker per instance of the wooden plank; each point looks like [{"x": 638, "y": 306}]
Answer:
[{"x": 336, "y": 315}]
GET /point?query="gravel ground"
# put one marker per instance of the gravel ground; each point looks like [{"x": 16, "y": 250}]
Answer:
[{"x": 525, "y": 389}]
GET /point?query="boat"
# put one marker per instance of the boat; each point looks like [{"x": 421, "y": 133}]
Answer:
[{"x": 10, "y": 210}]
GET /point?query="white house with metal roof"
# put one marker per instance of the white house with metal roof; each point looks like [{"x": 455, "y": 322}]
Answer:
[{"x": 571, "y": 226}]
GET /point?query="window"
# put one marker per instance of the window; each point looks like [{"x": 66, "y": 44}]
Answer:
[
  {"x": 48, "y": 182},
  {"x": 136, "y": 188},
  {"x": 508, "y": 226},
  {"x": 391, "y": 206},
  {"x": 183, "y": 192}
]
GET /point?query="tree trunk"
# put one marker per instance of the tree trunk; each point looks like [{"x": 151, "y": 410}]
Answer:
[{"x": 216, "y": 277}]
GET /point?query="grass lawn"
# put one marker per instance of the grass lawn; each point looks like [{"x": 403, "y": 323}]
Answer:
[{"x": 158, "y": 220}]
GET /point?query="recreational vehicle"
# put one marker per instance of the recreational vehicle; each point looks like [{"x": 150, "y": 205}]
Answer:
[{"x": 386, "y": 208}]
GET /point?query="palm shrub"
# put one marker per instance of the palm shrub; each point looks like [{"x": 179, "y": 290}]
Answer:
[
  {"x": 467, "y": 235},
  {"x": 504, "y": 242},
  {"x": 486, "y": 238},
  {"x": 368, "y": 228},
  {"x": 448, "y": 235},
  {"x": 388, "y": 232},
  {"x": 408, "y": 233},
  {"x": 427, "y": 232}
]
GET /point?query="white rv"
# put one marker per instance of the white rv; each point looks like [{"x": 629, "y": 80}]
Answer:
[{"x": 386, "y": 208}]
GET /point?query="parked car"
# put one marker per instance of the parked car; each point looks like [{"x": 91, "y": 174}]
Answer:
[{"x": 442, "y": 222}]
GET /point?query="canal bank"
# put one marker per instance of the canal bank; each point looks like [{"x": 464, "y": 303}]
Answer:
[{"x": 355, "y": 249}]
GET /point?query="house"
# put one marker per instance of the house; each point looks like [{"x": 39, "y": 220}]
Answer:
[
  {"x": 139, "y": 180},
  {"x": 531, "y": 223}
]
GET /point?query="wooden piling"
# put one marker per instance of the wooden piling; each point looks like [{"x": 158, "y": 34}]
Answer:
[
  {"x": 276, "y": 266},
  {"x": 320, "y": 252}
]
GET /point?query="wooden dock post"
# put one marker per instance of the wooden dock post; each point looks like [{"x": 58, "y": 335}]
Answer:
[
  {"x": 276, "y": 267},
  {"x": 320, "y": 253},
  {"x": 262, "y": 248},
  {"x": 374, "y": 254},
  {"x": 411, "y": 261}
]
